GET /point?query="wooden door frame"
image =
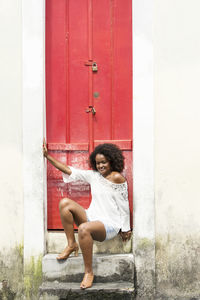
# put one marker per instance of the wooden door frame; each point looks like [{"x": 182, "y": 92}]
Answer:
[{"x": 33, "y": 80}]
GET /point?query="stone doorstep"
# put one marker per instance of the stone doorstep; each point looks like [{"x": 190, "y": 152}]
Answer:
[
  {"x": 99, "y": 291},
  {"x": 107, "y": 268},
  {"x": 56, "y": 242}
]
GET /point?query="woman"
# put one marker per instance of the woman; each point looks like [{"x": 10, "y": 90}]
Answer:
[{"x": 108, "y": 213}]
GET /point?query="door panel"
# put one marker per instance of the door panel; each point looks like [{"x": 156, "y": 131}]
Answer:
[
  {"x": 79, "y": 33},
  {"x": 78, "y": 73},
  {"x": 122, "y": 71},
  {"x": 102, "y": 51}
]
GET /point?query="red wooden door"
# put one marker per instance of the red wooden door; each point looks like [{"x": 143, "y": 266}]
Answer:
[{"x": 78, "y": 34}]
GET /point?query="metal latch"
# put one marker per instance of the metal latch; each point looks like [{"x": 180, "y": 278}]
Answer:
[
  {"x": 94, "y": 67},
  {"x": 91, "y": 109},
  {"x": 93, "y": 64}
]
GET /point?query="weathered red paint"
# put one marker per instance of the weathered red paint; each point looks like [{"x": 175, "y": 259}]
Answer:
[{"x": 79, "y": 33}]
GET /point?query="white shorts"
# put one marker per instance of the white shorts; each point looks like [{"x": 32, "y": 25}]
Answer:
[{"x": 110, "y": 231}]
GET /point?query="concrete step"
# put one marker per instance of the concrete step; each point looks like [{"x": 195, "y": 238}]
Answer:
[
  {"x": 107, "y": 268},
  {"x": 56, "y": 242},
  {"x": 99, "y": 291}
]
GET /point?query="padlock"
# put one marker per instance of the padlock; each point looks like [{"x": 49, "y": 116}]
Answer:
[{"x": 94, "y": 67}]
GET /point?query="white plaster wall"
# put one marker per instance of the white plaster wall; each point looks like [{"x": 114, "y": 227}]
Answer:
[
  {"x": 143, "y": 149},
  {"x": 177, "y": 146},
  {"x": 143, "y": 119},
  {"x": 11, "y": 190},
  {"x": 177, "y": 117},
  {"x": 33, "y": 41}
]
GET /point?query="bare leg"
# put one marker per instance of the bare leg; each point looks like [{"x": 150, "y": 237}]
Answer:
[
  {"x": 70, "y": 212},
  {"x": 87, "y": 232}
]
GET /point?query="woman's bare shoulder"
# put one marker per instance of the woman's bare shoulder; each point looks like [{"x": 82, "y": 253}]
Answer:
[{"x": 118, "y": 178}]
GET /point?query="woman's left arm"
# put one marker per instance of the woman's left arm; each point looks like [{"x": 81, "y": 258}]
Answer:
[{"x": 123, "y": 205}]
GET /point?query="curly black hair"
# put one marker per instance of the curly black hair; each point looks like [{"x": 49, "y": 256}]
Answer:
[{"x": 112, "y": 153}]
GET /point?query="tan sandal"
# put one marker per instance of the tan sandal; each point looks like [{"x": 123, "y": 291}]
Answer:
[
  {"x": 67, "y": 251},
  {"x": 87, "y": 281}
]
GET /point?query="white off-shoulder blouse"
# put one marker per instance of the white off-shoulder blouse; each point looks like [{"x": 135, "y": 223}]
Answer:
[{"x": 109, "y": 200}]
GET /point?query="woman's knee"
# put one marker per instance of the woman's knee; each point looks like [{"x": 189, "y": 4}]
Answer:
[
  {"x": 83, "y": 230},
  {"x": 64, "y": 203}
]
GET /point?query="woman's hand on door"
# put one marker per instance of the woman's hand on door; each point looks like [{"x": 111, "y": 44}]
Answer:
[
  {"x": 125, "y": 235},
  {"x": 45, "y": 150},
  {"x": 57, "y": 164}
]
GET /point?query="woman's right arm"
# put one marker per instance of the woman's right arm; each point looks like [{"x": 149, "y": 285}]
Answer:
[{"x": 57, "y": 164}]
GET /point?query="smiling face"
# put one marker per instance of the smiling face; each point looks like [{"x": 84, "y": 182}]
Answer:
[{"x": 102, "y": 165}]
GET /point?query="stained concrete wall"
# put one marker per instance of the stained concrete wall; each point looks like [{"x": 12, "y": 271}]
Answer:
[
  {"x": 22, "y": 213},
  {"x": 143, "y": 149},
  {"x": 11, "y": 177},
  {"x": 177, "y": 146}
]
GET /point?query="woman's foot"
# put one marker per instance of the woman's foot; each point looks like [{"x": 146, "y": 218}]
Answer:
[
  {"x": 87, "y": 281},
  {"x": 67, "y": 251}
]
